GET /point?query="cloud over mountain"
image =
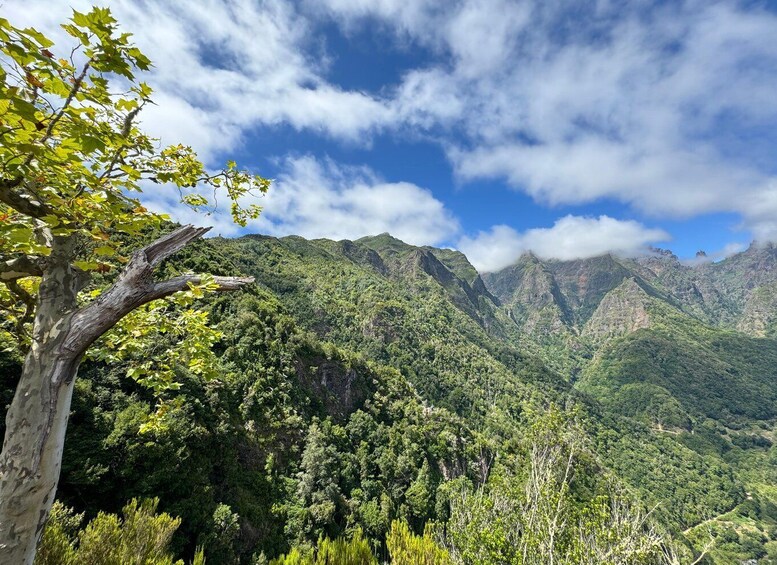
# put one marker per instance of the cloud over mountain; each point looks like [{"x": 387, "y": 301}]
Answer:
[{"x": 571, "y": 237}]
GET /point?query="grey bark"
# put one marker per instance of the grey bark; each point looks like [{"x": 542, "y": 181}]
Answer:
[{"x": 37, "y": 418}]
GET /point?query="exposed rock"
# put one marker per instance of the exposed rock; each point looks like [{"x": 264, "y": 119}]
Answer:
[{"x": 622, "y": 310}]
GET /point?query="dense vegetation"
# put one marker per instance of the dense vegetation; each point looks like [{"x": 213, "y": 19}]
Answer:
[
  {"x": 686, "y": 350},
  {"x": 366, "y": 384}
]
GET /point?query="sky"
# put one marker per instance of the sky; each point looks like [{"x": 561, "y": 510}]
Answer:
[{"x": 496, "y": 127}]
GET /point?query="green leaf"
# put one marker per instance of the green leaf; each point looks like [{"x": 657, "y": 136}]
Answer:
[
  {"x": 105, "y": 251},
  {"x": 24, "y": 109},
  {"x": 86, "y": 265},
  {"x": 90, "y": 144},
  {"x": 42, "y": 40}
]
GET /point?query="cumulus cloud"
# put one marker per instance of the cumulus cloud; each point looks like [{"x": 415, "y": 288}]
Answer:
[
  {"x": 570, "y": 237},
  {"x": 665, "y": 107},
  {"x": 320, "y": 198}
]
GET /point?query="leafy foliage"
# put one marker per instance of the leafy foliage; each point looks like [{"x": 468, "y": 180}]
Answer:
[
  {"x": 406, "y": 548},
  {"x": 304, "y": 439},
  {"x": 549, "y": 511},
  {"x": 71, "y": 143},
  {"x": 354, "y": 551},
  {"x": 139, "y": 537}
]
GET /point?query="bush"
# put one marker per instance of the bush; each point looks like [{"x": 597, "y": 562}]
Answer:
[
  {"x": 140, "y": 537},
  {"x": 340, "y": 551},
  {"x": 407, "y": 548}
]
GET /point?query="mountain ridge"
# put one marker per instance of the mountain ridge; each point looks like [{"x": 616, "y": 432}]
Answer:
[{"x": 405, "y": 373}]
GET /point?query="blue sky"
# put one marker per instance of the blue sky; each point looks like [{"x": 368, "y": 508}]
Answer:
[{"x": 492, "y": 126}]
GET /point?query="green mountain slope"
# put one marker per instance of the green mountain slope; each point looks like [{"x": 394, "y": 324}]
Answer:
[
  {"x": 461, "y": 350},
  {"x": 363, "y": 381},
  {"x": 685, "y": 349}
]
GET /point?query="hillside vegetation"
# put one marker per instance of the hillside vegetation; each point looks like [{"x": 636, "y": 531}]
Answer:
[{"x": 365, "y": 387}]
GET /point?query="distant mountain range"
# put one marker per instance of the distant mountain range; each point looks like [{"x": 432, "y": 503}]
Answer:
[
  {"x": 575, "y": 296},
  {"x": 699, "y": 335},
  {"x": 685, "y": 352}
]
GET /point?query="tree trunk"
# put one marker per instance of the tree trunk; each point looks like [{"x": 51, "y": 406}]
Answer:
[
  {"x": 32, "y": 450},
  {"x": 37, "y": 418}
]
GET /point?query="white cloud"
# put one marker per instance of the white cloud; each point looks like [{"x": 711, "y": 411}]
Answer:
[
  {"x": 726, "y": 251},
  {"x": 482, "y": 35},
  {"x": 661, "y": 106},
  {"x": 222, "y": 68},
  {"x": 760, "y": 212},
  {"x": 634, "y": 101},
  {"x": 571, "y": 237},
  {"x": 320, "y": 198},
  {"x": 493, "y": 250},
  {"x": 667, "y": 182}
]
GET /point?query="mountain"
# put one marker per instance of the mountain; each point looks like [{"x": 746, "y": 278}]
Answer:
[
  {"x": 462, "y": 341},
  {"x": 687, "y": 349},
  {"x": 364, "y": 381},
  {"x": 718, "y": 293},
  {"x": 696, "y": 332}
]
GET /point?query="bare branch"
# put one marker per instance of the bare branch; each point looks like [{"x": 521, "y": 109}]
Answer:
[
  {"x": 176, "y": 284},
  {"x": 136, "y": 286},
  {"x": 172, "y": 243},
  {"x": 19, "y": 268}
]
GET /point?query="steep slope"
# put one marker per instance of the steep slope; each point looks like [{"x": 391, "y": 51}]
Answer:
[
  {"x": 621, "y": 311},
  {"x": 410, "y": 311},
  {"x": 759, "y": 316},
  {"x": 678, "y": 347},
  {"x": 415, "y": 313},
  {"x": 532, "y": 296},
  {"x": 360, "y": 378},
  {"x": 723, "y": 294}
]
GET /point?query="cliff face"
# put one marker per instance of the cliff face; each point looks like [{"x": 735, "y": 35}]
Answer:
[
  {"x": 759, "y": 315},
  {"x": 736, "y": 293},
  {"x": 623, "y": 310}
]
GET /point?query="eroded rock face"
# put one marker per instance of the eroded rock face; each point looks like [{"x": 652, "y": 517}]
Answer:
[
  {"x": 339, "y": 389},
  {"x": 735, "y": 293},
  {"x": 759, "y": 317},
  {"x": 621, "y": 311}
]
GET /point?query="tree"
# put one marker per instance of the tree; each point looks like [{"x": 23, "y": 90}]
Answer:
[
  {"x": 535, "y": 517},
  {"x": 139, "y": 536},
  {"x": 72, "y": 161},
  {"x": 353, "y": 551},
  {"x": 406, "y": 548}
]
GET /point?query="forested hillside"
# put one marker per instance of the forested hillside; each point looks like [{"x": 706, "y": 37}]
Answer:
[
  {"x": 687, "y": 349},
  {"x": 359, "y": 383}
]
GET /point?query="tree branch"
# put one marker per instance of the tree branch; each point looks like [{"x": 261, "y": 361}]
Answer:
[
  {"x": 177, "y": 284},
  {"x": 19, "y": 268},
  {"x": 11, "y": 197},
  {"x": 171, "y": 243},
  {"x": 77, "y": 82},
  {"x": 125, "y": 131},
  {"x": 136, "y": 286},
  {"x": 29, "y": 305}
]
